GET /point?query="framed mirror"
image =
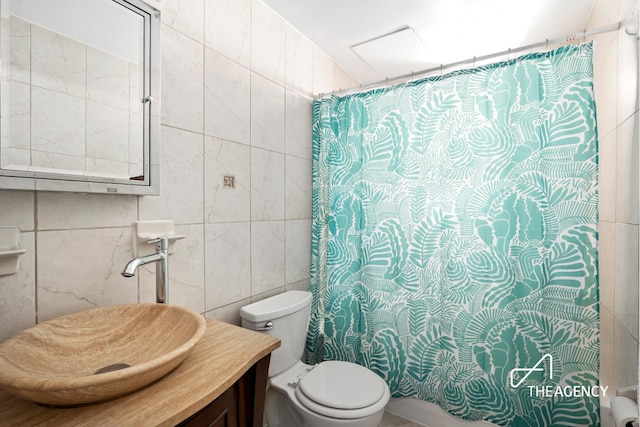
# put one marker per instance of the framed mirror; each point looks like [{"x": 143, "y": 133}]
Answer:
[{"x": 80, "y": 96}]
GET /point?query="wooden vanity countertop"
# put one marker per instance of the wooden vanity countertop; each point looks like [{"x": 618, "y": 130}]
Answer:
[{"x": 217, "y": 361}]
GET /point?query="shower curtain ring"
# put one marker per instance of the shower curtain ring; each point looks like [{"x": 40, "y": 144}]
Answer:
[
  {"x": 441, "y": 66},
  {"x": 546, "y": 45},
  {"x": 474, "y": 61}
]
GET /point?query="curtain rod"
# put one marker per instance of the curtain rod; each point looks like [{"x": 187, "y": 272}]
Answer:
[{"x": 399, "y": 79}]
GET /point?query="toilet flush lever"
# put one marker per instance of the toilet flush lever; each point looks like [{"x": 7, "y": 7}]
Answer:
[{"x": 267, "y": 326}]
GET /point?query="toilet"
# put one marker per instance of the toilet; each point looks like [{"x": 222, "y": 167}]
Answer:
[{"x": 331, "y": 393}]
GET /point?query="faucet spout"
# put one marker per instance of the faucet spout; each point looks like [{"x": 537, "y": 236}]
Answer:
[
  {"x": 161, "y": 258},
  {"x": 132, "y": 266}
]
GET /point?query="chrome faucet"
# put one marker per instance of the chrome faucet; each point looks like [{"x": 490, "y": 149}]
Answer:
[{"x": 161, "y": 258}]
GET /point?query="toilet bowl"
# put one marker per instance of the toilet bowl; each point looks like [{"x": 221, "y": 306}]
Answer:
[{"x": 331, "y": 393}]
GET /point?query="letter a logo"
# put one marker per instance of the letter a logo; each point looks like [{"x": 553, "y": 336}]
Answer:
[{"x": 529, "y": 371}]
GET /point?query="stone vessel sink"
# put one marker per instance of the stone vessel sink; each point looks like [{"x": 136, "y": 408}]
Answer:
[{"x": 98, "y": 354}]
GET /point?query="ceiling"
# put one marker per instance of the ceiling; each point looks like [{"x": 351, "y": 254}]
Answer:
[{"x": 422, "y": 34}]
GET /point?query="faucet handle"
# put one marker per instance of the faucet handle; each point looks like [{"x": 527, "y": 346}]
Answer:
[{"x": 162, "y": 242}]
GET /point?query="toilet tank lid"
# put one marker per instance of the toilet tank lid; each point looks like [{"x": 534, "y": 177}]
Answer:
[{"x": 276, "y": 306}]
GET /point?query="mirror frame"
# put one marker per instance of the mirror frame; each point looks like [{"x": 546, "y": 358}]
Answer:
[{"x": 45, "y": 181}]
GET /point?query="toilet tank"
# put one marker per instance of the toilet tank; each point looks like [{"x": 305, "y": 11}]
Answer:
[{"x": 288, "y": 312}]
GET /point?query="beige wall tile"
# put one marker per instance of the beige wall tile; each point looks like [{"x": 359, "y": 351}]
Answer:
[
  {"x": 182, "y": 81},
  {"x": 267, "y": 256},
  {"x": 80, "y": 269},
  {"x": 18, "y": 293},
  {"x": 227, "y": 98},
  {"x": 228, "y": 263},
  {"x": 229, "y": 29}
]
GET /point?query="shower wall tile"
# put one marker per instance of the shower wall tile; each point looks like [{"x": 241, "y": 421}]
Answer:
[
  {"x": 268, "y": 43},
  {"x": 607, "y": 264},
  {"x": 267, "y": 114},
  {"x": 627, "y": 171},
  {"x": 298, "y": 125},
  {"x": 60, "y": 211},
  {"x": 182, "y": 81},
  {"x": 595, "y": 19},
  {"x": 299, "y": 63},
  {"x": 58, "y": 63},
  {"x": 18, "y": 293},
  {"x": 618, "y": 10},
  {"x": 181, "y": 179},
  {"x": 626, "y": 277},
  {"x": 227, "y": 98},
  {"x": 298, "y": 188},
  {"x": 298, "y": 250},
  {"x": 17, "y": 209},
  {"x": 607, "y": 178},
  {"x": 228, "y": 254},
  {"x": 229, "y": 29},
  {"x": 323, "y": 72},
  {"x": 627, "y": 74},
  {"x": 607, "y": 347},
  {"x": 606, "y": 95},
  {"x": 94, "y": 258},
  {"x": 267, "y": 185},
  {"x": 626, "y": 357},
  {"x": 610, "y": 11},
  {"x": 186, "y": 16},
  {"x": 343, "y": 80},
  {"x": 267, "y": 256},
  {"x": 226, "y": 158}
]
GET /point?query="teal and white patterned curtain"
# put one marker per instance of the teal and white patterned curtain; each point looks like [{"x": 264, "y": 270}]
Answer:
[{"x": 455, "y": 237}]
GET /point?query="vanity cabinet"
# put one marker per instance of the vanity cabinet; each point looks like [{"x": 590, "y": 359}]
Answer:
[
  {"x": 222, "y": 382},
  {"x": 241, "y": 405},
  {"x": 223, "y": 412}
]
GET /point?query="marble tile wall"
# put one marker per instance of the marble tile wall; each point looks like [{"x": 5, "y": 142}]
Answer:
[
  {"x": 615, "y": 83},
  {"x": 237, "y": 85},
  {"x": 86, "y": 100}
]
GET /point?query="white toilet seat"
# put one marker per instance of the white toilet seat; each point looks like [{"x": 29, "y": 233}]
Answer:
[
  {"x": 324, "y": 392},
  {"x": 341, "y": 385}
]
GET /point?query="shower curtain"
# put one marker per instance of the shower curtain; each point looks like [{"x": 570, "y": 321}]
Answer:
[{"x": 455, "y": 238}]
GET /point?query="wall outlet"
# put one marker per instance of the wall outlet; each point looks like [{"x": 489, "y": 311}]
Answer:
[{"x": 229, "y": 181}]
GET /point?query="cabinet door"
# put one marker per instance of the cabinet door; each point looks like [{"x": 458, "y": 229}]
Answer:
[{"x": 222, "y": 412}]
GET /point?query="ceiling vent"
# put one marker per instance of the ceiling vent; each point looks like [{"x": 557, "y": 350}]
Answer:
[{"x": 393, "y": 54}]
